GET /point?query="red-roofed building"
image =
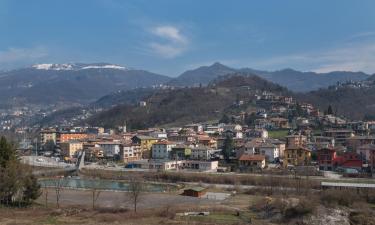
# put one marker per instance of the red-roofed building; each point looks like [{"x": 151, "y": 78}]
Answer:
[
  {"x": 326, "y": 157},
  {"x": 252, "y": 161},
  {"x": 348, "y": 160}
]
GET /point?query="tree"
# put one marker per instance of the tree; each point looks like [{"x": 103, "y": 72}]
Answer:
[
  {"x": 58, "y": 185},
  {"x": 17, "y": 182},
  {"x": 224, "y": 119},
  {"x": 135, "y": 191},
  {"x": 330, "y": 110},
  {"x": 227, "y": 147},
  {"x": 7, "y": 153}
]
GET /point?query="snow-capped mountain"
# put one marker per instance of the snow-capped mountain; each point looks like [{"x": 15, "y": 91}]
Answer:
[
  {"x": 72, "y": 82},
  {"x": 76, "y": 66}
]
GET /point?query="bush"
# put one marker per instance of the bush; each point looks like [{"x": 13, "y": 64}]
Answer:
[
  {"x": 303, "y": 207},
  {"x": 339, "y": 197}
]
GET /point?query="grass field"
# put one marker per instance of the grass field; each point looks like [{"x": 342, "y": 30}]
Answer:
[{"x": 277, "y": 134}]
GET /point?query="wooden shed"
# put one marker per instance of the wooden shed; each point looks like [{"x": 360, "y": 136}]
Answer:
[{"x": 195, "y": 192}]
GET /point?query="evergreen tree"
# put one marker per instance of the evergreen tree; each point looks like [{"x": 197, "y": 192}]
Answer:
[
  {"x": 227, "y": 147},
  {"x": 330, "y": 110},
  {"x": 16, "y": 180},
  {"x": 224, "y": 119}
]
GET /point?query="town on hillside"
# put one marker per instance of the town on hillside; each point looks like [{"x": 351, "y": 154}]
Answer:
[{"x": 279, "y": 136}]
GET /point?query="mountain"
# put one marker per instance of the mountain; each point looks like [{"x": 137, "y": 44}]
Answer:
[
  {"x": 202, "y": 75},
  {"x": 307, "y": 81},
  {"x": 292, "y": 79},
  {"x": 185, "y": 105},
  {"x": 71, "y": 83}
]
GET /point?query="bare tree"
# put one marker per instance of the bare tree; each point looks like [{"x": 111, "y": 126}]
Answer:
[
  {"x": 45, "y": 187},
  {"x": 135, "y": 191},
  {"x": 96, "y": 186},
  {"x": 58, "y": 185}
]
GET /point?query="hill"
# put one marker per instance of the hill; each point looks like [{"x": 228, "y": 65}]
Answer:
[
  {"x": 71, "y": 83},
  {"x": 354, "y": 103},
  {"x": 185, "y": 105},
  {"x": 292, "y": 79}
]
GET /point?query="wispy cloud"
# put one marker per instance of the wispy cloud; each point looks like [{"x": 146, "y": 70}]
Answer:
[
  {"x": 170, "y": 43},
  {"x": 13, "y": 56}
]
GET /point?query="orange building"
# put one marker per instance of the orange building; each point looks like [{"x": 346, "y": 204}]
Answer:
[{"x": 65, "y": 137}]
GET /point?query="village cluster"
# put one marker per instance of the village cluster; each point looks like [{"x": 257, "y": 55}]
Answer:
[{"x": 282, "y": 135}]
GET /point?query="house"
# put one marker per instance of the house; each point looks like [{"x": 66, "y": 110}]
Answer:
[
  {"x": 252, "y": 162},
  {"x": 145, "y": 142},
  {"x": 48, "y": 135},
  {"x": 202, "y": 153},
  {"x": 297, "y": 156},
  {"x": 364, "y": 152},
  {"x": 279, "y": 123},
  {"x": 355, "y": 142},
  {"x": 372, "y": 160},
  {"x": 260, "y": 147},
  {"x": 162, "y": 149},
  {"x": 348, "y": 160},
  {"x": 181, "y": 152},
  {"x": 296, "y": 141},
  {"x": 325, "y": 158},
  {"x": 340, "y": 135},
  {"x": 195, "y": 192},
  {"x": 130, "y": 152},
  {"x": 110, "y": 148},
  {"x": 67, "y": 136},
  {"x": 196, "y": 127},
  {"x": 69, "y": 148},
  {"x": 257, "y": 133}
]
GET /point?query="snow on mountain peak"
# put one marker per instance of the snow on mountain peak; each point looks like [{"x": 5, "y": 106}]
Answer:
[
  {"x": 49, "y": 66},
  {"x": 108, "y": 66}
]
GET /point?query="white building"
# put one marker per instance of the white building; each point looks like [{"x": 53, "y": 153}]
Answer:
[
  {"x": 162, "y": 149},
  {"x": 110, "y": 149},
  {"x": 202, "y": 153}
]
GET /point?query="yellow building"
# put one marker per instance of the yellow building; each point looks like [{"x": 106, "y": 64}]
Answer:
[
  {"x": 69, "y": 149},
  {"x": 297, "y": 156},
  {"x": 48, "y": 135},
  {"x": 145, "y": 143}
]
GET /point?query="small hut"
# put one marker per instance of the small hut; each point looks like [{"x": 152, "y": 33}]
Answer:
[{"x": 195, "y": 192}]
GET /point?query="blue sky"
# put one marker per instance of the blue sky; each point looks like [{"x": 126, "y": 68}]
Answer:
[{"x": 171, "y": 36}]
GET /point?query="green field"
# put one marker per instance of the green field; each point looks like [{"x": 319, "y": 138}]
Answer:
[{"x": 277, "y": 134}]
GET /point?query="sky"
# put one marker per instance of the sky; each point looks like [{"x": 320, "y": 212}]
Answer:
[{"x": 171, "y": 36}]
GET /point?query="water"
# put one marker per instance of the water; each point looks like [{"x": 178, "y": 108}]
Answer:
[{"x": 76, "y": 183}]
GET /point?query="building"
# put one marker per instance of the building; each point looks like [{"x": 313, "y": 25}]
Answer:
[
  {"x": 70, "y": 148},
  {"x": 296, "y": 141},
  {"x": 130, "y": 152},
  {"x": 110, "y": 148},
  {"x": 246, "y": 162},
  {"x": 340, "y": 135},
  {"x": 65, "y": 137},
  {"x": 164, "y": 165},
  {"x": 162, "y": 149},
  {"x": 145, "y": 142},
  {"x": 353, "y": 143},
  {"x": 348, "y": 160},
  {"x": 279, "y": 123},
  {"x": 181, "y": 152},
  {"x": 48, "y": 135},
  {"x": 203, "y": 153},
  {"x": 195, "y": 192},
  {"x": 297, "y": 156},
  {"x": 325, "y": 158},
  {"x": 364, "y": 152}
]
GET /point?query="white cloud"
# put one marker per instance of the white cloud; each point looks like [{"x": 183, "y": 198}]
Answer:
[
  {"x": 21, "y": 55},
  {"x": 171, "y": 42}
]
